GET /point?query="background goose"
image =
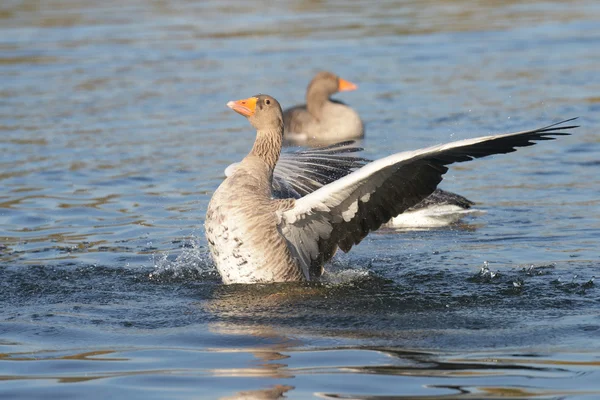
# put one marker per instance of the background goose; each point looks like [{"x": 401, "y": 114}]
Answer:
[
  {"x": 254, "y": 237},
  {"x": 323, "y": 120}
]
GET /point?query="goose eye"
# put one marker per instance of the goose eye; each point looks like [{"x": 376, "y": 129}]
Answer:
[{"x": 268, "y": 101}]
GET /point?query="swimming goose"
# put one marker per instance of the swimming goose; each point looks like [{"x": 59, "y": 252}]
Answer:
[
  {"x": 255, "y": 238},
  {"x": 322, "y": 120}
]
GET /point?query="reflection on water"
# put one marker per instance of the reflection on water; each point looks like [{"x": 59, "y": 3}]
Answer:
[
  {"x": 114, "y": 134},
  {"x": 429, "y": 334},
  {"x": 339, "y": 370},
  {"x": 276, "y": 392}
]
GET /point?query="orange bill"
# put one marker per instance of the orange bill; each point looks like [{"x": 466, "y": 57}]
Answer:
[
  {"x": 246, "y": 107},
  {"x": 345, "y": 86}
]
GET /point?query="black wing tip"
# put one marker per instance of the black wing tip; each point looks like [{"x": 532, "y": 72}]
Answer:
[
  {"x": 564, "y": 121},
  {"x": 567, "y": 120},
  {"x": 556, "y": 129}
]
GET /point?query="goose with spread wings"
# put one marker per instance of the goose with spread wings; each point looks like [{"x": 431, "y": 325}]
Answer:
[{"x": 255, "y": 237}]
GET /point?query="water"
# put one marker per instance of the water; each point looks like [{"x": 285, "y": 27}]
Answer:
[{"x": 114, "y": 134}]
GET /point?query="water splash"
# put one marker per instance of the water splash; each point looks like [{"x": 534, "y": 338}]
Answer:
[
  {"x": 589, "y": 284},
  {"x": 574, "y": 286},
  {"x": 339, "y": 272},
  {"x": 193, "y": 263},
  {"x": 485, "y": 274},
  {"x": 518, "y": 284},
  {"x": 533, "y": 270}
]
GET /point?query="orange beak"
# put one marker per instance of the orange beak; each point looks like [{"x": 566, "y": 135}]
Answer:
[
  {"x": 345, "y": 86},
  {"x": 246, "y": 107}
]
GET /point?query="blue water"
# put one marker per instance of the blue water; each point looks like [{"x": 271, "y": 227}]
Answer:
[{"x": 114, "y": 133}]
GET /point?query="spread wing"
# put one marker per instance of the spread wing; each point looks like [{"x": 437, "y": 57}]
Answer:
[
  {"x": 343, "y": 212},
  {"x": 302, "y": 172}
]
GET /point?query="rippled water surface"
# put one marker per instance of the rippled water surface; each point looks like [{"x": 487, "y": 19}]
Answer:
[{"x": 114, "y": 134}]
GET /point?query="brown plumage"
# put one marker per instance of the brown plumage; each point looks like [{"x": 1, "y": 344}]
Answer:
[
  {"x": 323, "y": 120},
  {"x": 241, "y": 222}
]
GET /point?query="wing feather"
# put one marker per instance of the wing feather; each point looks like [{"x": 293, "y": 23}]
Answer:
[
  {"x": 302, "y": 172},
  {"x": 341, "y": 213}
]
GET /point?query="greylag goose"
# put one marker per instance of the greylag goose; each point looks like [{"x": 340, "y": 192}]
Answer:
[
  {"x": 254, "y": 237},
  {"x": 322, "y": 120}
]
